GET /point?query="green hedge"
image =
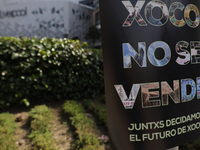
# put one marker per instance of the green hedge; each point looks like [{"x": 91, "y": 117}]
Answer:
[{"x": 33, "y": 69}]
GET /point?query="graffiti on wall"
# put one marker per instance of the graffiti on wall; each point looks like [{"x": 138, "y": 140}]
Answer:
[
  {"x": 82, "y": 19},
  {"x": 40, "y": 25},
  {"x": 13, "y": 13},
  {"x": 50, "y": 27},
  {"x": 39, "y": 19}
]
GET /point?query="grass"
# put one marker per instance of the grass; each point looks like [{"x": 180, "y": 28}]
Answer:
[
  {"x": 7, "y": 129},
  {"x": 41, "y": 137},
  {"x": 98, "y": 110},
  {"x": 84, "y": 126}
]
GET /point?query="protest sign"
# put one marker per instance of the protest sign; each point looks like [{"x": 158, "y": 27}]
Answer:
[{"x": 151, "y": 53}]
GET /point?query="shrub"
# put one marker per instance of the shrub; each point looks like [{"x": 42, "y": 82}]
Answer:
[
  {"x": 97, "y": 109},
  {"x": 72, "y": 108},
  {"x": 103, "y": 99},
  {"x": 194, "y": 145},
  {"x": 33, "y": 69}
]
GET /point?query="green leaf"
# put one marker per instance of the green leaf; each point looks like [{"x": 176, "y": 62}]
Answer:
[
  {"x": 15, "y": 56},
  {"x": 26, "y": 102}
]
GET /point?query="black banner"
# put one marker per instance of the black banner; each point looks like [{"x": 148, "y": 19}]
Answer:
[{"x": 151, "y": 52}]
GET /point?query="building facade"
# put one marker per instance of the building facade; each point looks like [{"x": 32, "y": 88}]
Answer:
[{"x": 45, "y": 18}]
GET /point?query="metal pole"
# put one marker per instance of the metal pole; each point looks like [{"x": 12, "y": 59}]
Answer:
[{"x": 174, "y": 148}]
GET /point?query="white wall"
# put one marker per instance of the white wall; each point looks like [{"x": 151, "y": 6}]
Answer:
[
  {"x": 8, "y": 2},
  {"x": 44, "y": 19},
  {"x": 80, "y": 20}
]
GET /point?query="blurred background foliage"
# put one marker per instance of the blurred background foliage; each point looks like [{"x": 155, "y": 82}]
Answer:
[{"x": 37, "y": 70}]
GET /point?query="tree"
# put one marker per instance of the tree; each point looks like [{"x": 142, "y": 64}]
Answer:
[{"x": 93, "y": 34}]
